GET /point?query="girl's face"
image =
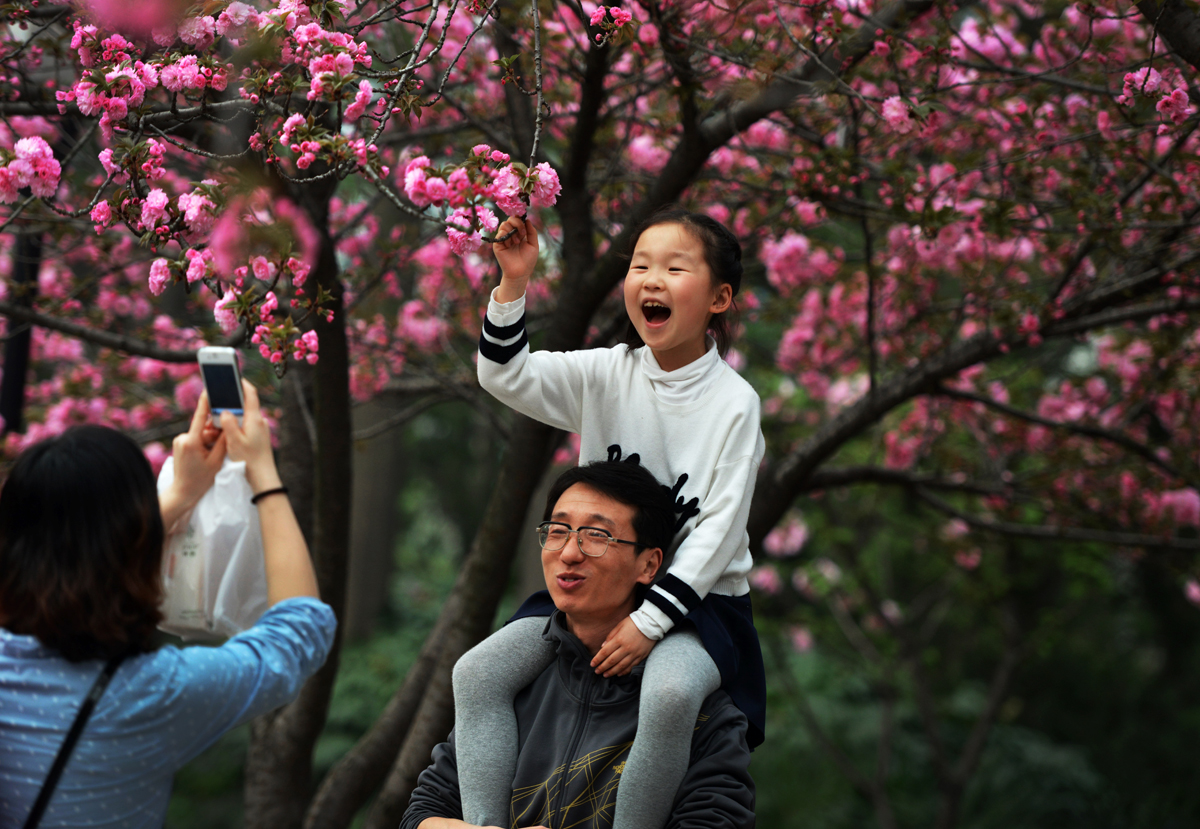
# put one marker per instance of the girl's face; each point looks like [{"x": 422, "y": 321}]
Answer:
[{"x": 670, "y": 296}]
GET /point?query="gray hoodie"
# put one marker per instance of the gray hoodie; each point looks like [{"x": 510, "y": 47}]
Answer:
[{"x": 575, "y": 730}]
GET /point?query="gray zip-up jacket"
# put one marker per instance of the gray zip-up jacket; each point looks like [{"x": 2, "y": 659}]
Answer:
[{"x": 575, "y": 729}]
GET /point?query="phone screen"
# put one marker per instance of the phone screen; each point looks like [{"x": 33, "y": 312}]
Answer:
[{"x": 222, "y": 383}]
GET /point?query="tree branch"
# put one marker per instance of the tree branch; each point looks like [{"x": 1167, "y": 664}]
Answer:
[
  {"x": 1058, "y": 533},
  {"x": 106, "y": 339},
  {"x": 1119, "y": 438}
]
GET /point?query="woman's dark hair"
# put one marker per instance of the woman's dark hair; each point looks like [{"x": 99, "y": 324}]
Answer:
[
  {"x": 629, "y": 483},
  {"x": 81, "y": 541},
  {"x": 722, "y": 254}
]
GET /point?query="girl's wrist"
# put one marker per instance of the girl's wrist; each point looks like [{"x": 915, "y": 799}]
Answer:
[{"x": 511, "y": 289}]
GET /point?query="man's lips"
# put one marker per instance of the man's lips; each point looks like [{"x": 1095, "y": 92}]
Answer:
[{"x": 569, "y": 581}]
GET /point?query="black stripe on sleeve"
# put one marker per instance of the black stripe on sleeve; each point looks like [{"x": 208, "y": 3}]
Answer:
[
  {"x": 502, "y": 353},
  {"x": 503, "y": 332},
  {"x": 681, "y": 590},
  {"x": 665, "y": 605}
]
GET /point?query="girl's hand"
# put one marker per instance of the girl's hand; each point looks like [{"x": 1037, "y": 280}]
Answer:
[
  {"x": 623, "y": 648},
  {"x": 517, "y": 255},
  {"x": 197, "y": 454}
]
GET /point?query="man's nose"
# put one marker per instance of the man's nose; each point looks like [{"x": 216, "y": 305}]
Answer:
[{"x": 572, "y": 552}]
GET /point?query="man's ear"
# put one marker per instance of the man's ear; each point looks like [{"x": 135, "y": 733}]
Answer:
[{"x": 651, "y": 560}]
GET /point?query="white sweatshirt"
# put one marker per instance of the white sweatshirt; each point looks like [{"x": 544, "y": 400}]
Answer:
[{"x": 696, "y": 429}]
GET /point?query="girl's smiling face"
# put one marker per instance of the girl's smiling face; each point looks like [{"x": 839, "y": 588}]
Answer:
[{"x": 670, "y": 295}]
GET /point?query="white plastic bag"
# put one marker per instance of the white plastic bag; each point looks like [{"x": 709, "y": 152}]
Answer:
[{"x": 214, "y": 579}]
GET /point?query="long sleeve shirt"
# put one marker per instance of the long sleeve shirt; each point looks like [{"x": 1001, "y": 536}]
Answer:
[
  {"x": 696, "y": 429},
  {"x": 160, "y": 710}
]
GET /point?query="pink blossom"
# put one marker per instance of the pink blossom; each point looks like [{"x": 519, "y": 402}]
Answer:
[
  {"x": 437, "y": 190},
  {"x": 9, "y": 192},
  {"x": 466, "y": 240},
  {"x": 802, "y": 639},
  {"x": 263, "y": 269},
  {"x": 1175, "y": 106},
  {"x": 299, "y": 271},
  {"x": 309, "y": 338},
  {"x": 198, "y": 262},
  {"x": 968, "y": 559},
  {"x": 506, "y": 190},
  {"x": 160, "y": 274},
  {"x": 153, "y": 209},
  {"x": 898, "y": 115},
  {"x": 198, "y": 31},
  {"x": 647, "y": 155},
  {"x": 224, "y": 312},
  {"x": 235, "y": 16},
  {"x": 269, "y": 305},
  {"x": 198, "y": 211},
  {"x": 356, "y": 109},
  {"x": 1145, "y": 81},
  {"x": 620, "y": 16},
  {"x": 36, "y": 167},
  {"x": 546, "y": 186},
  {"x": 419, "y": 326},
  {"x": 101, "y": 214},
  {"x": 828, "y": 570},
  {"x": 1184, "y": 504},
  {"x": 414, "y": 181},
  {"x": 787, "y": 539},
  {"x": 597, "y": 16},
  {"x": 765, "y": 579},
  {"x": 1192, "y": 590}
]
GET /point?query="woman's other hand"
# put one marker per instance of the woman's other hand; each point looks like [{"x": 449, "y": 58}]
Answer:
[
  {"x": 251, "y": 442},
  {"x": 198, "y": 454}
]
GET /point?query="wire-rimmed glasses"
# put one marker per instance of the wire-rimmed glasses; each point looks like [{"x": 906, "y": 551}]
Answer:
[{"x": 593, "y": 541}]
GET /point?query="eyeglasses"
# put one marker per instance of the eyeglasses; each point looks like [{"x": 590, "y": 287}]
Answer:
[{"x": 593, "y": 541}]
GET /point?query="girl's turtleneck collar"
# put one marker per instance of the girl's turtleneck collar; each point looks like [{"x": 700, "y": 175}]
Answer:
[{"x": 686, "y": 384}]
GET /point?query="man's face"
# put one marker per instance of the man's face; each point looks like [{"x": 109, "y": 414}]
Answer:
[{"x": 591, "y": 590}]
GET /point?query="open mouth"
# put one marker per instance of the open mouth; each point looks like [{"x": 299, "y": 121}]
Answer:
[{"x": 655, "y": 312}]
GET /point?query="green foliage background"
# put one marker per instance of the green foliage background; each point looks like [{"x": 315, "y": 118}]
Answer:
[{"x": 1098, "y": 730}]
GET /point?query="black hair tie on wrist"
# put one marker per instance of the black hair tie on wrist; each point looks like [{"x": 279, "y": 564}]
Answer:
[{"x": 254, "y": 499}]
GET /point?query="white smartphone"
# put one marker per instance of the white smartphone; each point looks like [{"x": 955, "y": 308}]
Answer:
[{"x": 222, "y": 380}]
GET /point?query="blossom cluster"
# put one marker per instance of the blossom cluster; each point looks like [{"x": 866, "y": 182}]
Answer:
[
  {"x": 31, "y": 164},
  {"x": 462, "y": 189},
  {"x": 610, "y": 20}
]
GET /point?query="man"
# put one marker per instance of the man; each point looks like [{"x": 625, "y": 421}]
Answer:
[{"x": 605, "y": 528}]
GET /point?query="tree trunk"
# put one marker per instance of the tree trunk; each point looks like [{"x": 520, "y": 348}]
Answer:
[
  {"x": 27, "y": 261},
  {"x": 279, "y": 762}
]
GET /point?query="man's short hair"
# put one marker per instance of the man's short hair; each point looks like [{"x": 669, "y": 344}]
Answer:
[{"x": 629, "y": 483}]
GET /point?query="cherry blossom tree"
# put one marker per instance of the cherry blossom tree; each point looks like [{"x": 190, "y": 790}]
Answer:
[{"x": 971, "y": 250}]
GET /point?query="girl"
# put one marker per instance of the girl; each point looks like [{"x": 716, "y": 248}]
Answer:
[{"x": 667, "y": 396}]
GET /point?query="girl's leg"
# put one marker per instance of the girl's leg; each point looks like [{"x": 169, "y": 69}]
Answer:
[
  {"x": 486, "y": 679},
  {"x": 679, "y": 676}
]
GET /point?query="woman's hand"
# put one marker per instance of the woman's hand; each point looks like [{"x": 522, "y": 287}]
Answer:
[
  {"x": 251, "y": 442},
  {"x": 197, "y": 454},
  {"x": 517, "y": 255}
]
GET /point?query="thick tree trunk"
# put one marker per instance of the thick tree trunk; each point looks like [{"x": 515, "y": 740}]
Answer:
[
  {"x": 279, "y": 763},
  {"x": 27, "y": 261}
]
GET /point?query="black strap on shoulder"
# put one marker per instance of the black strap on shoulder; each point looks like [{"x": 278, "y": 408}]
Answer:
[{"x": 64, "y": 753}]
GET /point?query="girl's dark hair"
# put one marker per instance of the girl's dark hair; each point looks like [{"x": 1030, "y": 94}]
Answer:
[
  {"x": 81, "y": 541},
  {"x": 722, "y": 254},
  {"x": 629, "y": 483}
]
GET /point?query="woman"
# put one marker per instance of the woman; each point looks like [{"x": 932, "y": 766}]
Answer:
[{"x": 81, "y": 538}]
